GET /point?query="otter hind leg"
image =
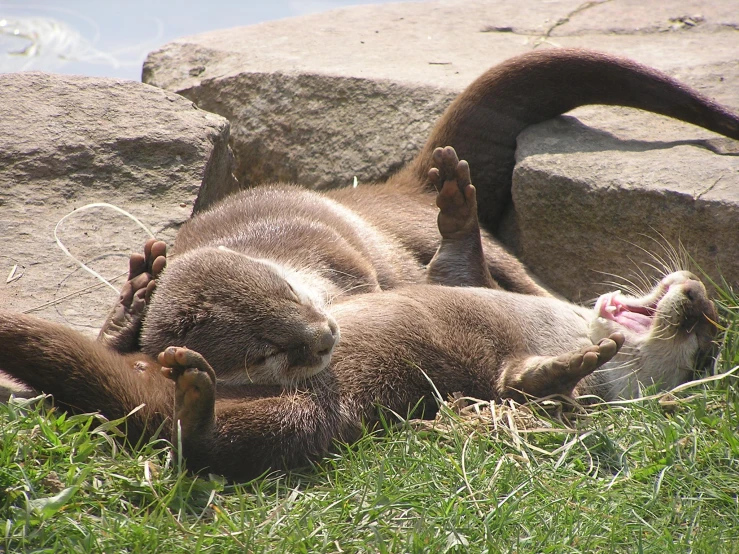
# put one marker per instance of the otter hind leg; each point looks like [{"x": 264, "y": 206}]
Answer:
[
  {"x": 120, "y": 331},
  {"x": 539, "y": 376},
  {"x": 459, "y": 260}
]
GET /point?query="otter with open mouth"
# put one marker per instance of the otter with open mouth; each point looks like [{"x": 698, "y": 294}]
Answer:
[
  {"x": 399, "y": 350},
  {"x": 674, "y": 321},
  {"x": 296, "y": 251}
]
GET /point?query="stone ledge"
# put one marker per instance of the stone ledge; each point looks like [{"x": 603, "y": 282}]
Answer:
[
  {"x": 67, "y": 141},
  {"x": 590, "y": 205}
]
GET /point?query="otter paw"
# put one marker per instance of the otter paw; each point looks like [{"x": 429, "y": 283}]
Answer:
[
  {"x": 120, "y": 331},
  {"x": 565, "y": 371},
  {"x": 457, "y": 200},
  {"x": 559, "y": 375},
  {"x": 195, "y": 388}
]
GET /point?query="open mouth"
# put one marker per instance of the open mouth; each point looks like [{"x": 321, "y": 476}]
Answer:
[{"x": 630, "y": 313}]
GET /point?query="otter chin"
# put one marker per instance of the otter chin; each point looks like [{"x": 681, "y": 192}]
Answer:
[{"x": 666, "y": 330}]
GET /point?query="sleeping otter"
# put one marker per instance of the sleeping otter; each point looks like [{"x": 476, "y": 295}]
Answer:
[
  {"x": 398, "y": 350},
  {"x": 321, "y": 247}
]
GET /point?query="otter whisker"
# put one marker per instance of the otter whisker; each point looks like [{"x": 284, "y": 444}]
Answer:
[
  {"x": 615, "y": 371},
  {"x": 659, "y": 270},
  {"x": 330, "y": 299},
  {"x": 246, "y": 370},
  {"x": 627, "y": 352},
  {"x": 623, "y": 283},
  {"x": 626, "y": 286},
  {"x": 665, "y": 337},
  {"x": 678, "y": 261},
  {"x": 618, "y": 367},
  {"x": 621, "y": 378},
  {"x": 646, "y": 280},
  {"x": 336, "y": 271},
  {"x": 356, "y": 287},
  {"x": 662, "y": 268}
]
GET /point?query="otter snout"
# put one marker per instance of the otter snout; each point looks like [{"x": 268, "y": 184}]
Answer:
[
  {"x": 699, "y": 313},
  {"x": 327, "y": 337},
  {"x": 317, "y": 344}
]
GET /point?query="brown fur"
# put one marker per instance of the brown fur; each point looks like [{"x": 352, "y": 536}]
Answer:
[
  {"x": 242, "y": 314},
  {"x": 379, "y": 237},
  {"x": 398, "y": 348},
  {"x": 481, "y": 342},
  {"x": 482, "y": 124}
]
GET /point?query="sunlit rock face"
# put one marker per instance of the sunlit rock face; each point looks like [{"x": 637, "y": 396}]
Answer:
[{"x": 69, "y": 141}]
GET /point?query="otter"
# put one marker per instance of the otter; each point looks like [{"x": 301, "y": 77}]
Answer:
[
  {"x": 315, "y": 248},
  {"x": 400, "y": 349},
  {"x": 269, "y": 317}
]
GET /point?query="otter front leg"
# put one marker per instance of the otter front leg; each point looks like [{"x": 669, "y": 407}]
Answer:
[
  {"x": 240, "y": 435},
  {"x": 195, "y": 398},
  {"x": 120, "y": 331},
  {"x": 459, "y": 261},
  {"x": 539, "y": 376}
]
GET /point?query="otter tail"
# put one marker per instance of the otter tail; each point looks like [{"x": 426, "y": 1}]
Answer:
[
  {"x": 82, "y": 375},
  {"x": 483, "y": 122}
]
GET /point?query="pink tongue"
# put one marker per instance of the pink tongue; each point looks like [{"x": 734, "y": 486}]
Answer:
[
  {"x": 610, "y": 307},
  {"x": 634, "y": 321}
]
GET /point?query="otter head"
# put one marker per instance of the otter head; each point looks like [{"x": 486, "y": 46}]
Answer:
[
  {"x": 253, "y": 320},
  {"x": 666, "y": 331}
]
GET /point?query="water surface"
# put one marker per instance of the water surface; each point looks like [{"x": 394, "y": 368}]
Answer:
[{"x": 111, "y": 38}]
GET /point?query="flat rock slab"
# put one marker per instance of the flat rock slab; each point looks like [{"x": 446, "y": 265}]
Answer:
[
  {"x": 67, "y": 142},
  {"x": 594, "y": 206},
  {"x": 321, "y": 99}
]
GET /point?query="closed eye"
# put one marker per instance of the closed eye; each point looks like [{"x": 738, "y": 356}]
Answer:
[
  {"x": 294, "y": 295},
  {"x": 269, "y": 349}
]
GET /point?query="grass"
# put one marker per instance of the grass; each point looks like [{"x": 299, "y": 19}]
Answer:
[{"x": 642, "y": 477}]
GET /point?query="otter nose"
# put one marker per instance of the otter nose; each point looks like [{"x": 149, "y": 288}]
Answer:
[
  {"x": 694, "y": 291},
  {"x": 326, "y": 337}
]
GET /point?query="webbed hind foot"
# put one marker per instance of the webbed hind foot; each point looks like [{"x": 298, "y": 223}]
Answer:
[{"x": 539, "y": 376}]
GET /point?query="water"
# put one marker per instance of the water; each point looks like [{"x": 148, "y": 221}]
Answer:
[{"x": 111, "y": 38}]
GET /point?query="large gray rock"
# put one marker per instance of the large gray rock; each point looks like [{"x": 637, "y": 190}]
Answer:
[
  {"x": 321, "y": 99},
  {"x": 592, "y": 204},
  {"x": 66, "y": 142}
]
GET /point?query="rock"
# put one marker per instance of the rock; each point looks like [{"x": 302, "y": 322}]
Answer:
[
  {"x": 323, "y": 98},
  {"x": 635, "y": 17},
  {"x": 68, "y": 141},
  {"x": 591, "y": 204}
]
